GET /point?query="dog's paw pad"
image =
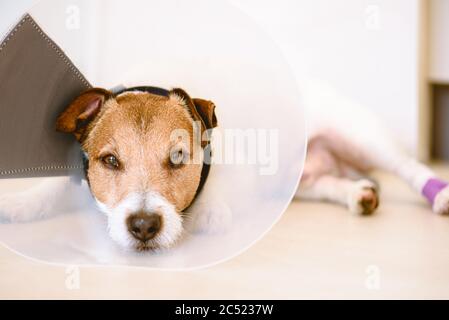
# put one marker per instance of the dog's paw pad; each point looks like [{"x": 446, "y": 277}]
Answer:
[
  {"x": 441, "y": 203},
  {"x": 364, "y": 198}
]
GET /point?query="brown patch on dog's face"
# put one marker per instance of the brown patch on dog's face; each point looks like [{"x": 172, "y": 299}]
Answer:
[{"x": 130, "y": 146}]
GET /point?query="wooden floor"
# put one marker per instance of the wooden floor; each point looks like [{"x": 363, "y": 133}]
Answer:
[{"x": 315, "y": 251}]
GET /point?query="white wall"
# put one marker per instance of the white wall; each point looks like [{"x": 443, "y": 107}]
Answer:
[
  {"x": 11, "y": 11},
  {"x": 439, "y": 40},
  {"x": 367, "y": 49}
]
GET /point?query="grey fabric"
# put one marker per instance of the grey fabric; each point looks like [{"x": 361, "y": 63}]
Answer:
[{"x": 37, "y": 82}]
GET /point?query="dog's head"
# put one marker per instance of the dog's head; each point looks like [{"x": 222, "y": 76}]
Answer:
[{"x": 144, "y": 162}]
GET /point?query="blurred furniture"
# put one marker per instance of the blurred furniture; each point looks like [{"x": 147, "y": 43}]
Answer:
[
  {"x": 438, "y": 77},
  {"x": 440, "y": 125}
]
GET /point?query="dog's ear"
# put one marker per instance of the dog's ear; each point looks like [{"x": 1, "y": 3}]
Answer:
[
  {"x": 201, "y": 110},
  {"x": 81, "y": 111},
  {"x": 206, "y": 109}
]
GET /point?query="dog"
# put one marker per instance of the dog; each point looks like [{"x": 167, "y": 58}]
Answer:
[
  {"x": 141, "y": 175},
  {"x": 148, "y": 183},
  {"x": 346, "y": 142}
]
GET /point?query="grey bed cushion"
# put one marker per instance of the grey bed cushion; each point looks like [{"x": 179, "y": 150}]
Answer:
[{"x": 37, "y": 82}]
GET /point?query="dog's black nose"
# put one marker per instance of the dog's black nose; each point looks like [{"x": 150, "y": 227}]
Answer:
[{"x": 144, "y": 226}]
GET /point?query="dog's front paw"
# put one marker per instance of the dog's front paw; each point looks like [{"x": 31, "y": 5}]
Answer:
[
  {"x": 16, "y": 208},
  {"x": 363, "y": 199},
  {"x": 11, "y": 209},
  {"x": 211, "y": 217},
  {"x": 441, "y": 202}
]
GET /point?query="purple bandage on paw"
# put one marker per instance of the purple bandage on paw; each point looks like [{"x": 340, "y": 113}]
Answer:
[{"x": 432, "y": 188}]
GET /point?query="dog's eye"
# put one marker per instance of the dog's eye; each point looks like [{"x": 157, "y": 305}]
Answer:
[
  {"x": 177, "y": 158},
  {"x": 111, "y": 162}
]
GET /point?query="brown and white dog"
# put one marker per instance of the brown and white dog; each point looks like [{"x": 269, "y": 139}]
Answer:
[
  {"x": 144, "y": 163},
  {"x": 141, "y": 176}
]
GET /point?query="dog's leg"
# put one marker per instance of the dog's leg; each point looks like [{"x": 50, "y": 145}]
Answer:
[
  {"x": 326, "y": 178},
  {"x": 357, "y": 137},
  {"x": 51, "y": 196},
  {"x": 359, "y": 196},
  {"x": 420, "y": 177},
  {"x": 209, "y": 213},
  {"x": 382, "y": 153}
]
